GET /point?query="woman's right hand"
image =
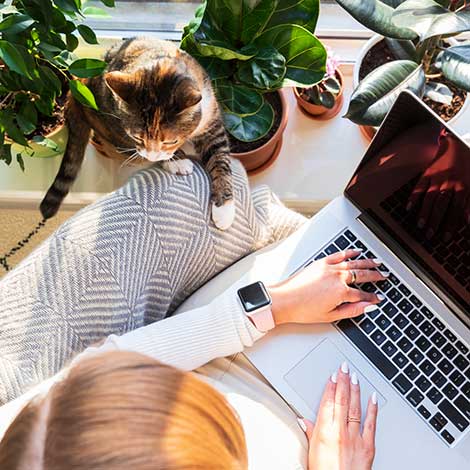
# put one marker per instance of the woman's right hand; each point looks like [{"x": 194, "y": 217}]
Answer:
[{"x": 336, "y": 441}]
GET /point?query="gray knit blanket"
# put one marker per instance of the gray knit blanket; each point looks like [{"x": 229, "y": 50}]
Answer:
[{"x": 126, "y": 261}]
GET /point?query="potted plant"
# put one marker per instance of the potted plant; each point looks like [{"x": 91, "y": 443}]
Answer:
[
  {"x": 37, "y": 68},
  {"x": 325, "y": 99},
  {"x": 416, "y": 50},
  {"x": 251, "y": 50}
]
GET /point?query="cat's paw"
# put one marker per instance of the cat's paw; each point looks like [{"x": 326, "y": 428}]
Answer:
[
  {"x": 179, "y": 167},
  {"x": 224, "y": 215}
]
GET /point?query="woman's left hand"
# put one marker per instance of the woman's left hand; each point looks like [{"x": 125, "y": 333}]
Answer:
[{"x": 320, "y": 293}]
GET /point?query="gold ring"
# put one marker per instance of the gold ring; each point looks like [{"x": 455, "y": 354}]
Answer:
[
  {"x": 353, "y": 420},
  {"x": 353, "y": 277}
]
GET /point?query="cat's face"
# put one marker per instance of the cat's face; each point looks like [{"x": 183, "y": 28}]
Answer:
[{"x": 160, "y": 108}]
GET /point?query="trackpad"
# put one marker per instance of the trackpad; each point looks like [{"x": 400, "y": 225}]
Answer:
[{"x": 309, "y": 376}]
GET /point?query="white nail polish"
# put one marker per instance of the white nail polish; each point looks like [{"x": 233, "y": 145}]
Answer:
[
  {"x": 334, "y": 377},
  {"x": 377, "y": 261},
  {"x": 302, "y": 425},
  {"x": 380, "y": 297},
  {"x": 374, "y": 398},
  {"x": 370, "y": 308},
  {"x": 345, "y": 368},
  {"x": 354, "y": 379},
  {"x": 385, "y": 273}
]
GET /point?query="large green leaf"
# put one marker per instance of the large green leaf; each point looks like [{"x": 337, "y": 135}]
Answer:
[
  {"x": 87, "y": 68},
  {"x": 376, "y": 16},
  {"x": 17, "y": 58},
  {"x": 375, "y": 95},
  {"x": 455, "y": 65},
  {"x": 305, "y": 55},
  {"x": 402, "y": 49},
  {"x": 300, "y": 12},
  {"x": 250, "y": 128},
  {"x": 238, "y": 99},
  {"x": 264, "y": 71},
  {"x": 15, "y": 24},
  {"x": 87, "y": 34},
  {"x": 223, "y": 50},
  {"x": 9, "y": 125},
  {"x": 82, "y": 94},
  {"x": 427, "y": 19}
]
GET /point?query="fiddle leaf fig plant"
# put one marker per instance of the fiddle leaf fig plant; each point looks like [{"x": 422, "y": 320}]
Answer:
[
  {"x": 250, "y": 48},
  {"x": 421, "y": 34},
  {"x": 38, "y": 65}
]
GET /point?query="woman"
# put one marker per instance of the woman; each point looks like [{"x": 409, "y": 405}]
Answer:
[{"x": 123, "y": 410}]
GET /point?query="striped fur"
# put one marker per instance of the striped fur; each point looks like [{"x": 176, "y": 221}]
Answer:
[{"x": 153, "y": 99}]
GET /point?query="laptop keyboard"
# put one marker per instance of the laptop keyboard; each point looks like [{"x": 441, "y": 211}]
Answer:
[{"x": 423, "y": 359}]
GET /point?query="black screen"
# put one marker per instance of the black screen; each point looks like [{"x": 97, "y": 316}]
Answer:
[
  {"x": 253, "y": 296},
  {"x": 414, "y": 186}
]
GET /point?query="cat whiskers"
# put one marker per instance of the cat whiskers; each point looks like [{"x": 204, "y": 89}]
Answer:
[{"x": 130, "y": 159}]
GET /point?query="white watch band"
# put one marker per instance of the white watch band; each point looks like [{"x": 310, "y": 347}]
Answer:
[{"x": 263, "y": 319}]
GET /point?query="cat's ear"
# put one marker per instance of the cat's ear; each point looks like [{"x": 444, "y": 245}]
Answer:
[
  {"x": 123, "y": 84},
  {"x": 188, "y": 95}
]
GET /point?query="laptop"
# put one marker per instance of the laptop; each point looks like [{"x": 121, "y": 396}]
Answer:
[{"x": 408, "y": 204}]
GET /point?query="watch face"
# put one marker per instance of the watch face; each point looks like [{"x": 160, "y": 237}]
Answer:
[{"x": 254, "y": 296}]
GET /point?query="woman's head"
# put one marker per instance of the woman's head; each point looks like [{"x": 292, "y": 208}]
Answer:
[{"x": 125, "y": 411}]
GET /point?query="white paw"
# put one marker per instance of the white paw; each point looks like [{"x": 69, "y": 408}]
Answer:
[
  {"x": 179, "y": 167},
  {"x": 223, "y": 216}
]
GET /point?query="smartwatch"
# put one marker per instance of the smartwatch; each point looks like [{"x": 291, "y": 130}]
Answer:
[{"x": 257, "y": 305}]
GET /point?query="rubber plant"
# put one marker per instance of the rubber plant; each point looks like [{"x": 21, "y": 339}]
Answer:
[
  {"x": 253, "y": 47},
  {"x": 421, "y": 34},
  {"x": 38, "y": 65}
]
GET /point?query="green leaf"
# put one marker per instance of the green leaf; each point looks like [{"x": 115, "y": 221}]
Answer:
[
  {"x": 427, "y": 19},
  {"x": 377, "y": 16},
  {"x": 223, "y": 50},
  {"x": 45, "y": 104},
  {"x": 48, "y": 76},
  {"x": 402, "y": 49},
  {"x": 15, "y": 24},
  {"x": 82, "y": 94},
  {"x": 45, "y": 142},
  {"x": 10, "y": 127},
  {"x": 299, "y": 12},
  {"x": 377, "y": 92},
  {"x": 332, "y": 85},
  {"x": 327, "y": 99},
  {"x": 250, "y": 128},
  {"x": 87, "y": 34},
  {"x": 86, "y": 68},
  {"x": 25, "y": 124},
  {"x": 238, "y": 99},
  {"x": 5, "y": 153},
  {"x": 108, "y": 3},
  {"x": 264, "y": 71},
  {"x": 20, "y": 161},
  {"x": 455, "y": 65},
  {"x": 68, "y": 6},
  {"x": 305, "y": 55},
  {"x": 72, "y": 42},
  {"x": 17, "y": 58},
  {"x": 439, "y": 93},
  {"x": 29, "y": 112},
  {"x": 65, "y": 58},
  {"x": 95, "y": 12}
]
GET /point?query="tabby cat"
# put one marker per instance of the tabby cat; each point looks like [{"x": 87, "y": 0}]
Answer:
[{"x": 152, "y": 99}]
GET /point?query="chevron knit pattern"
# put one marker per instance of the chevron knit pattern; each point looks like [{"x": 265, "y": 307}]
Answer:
[{"x": 128, "y": 260}]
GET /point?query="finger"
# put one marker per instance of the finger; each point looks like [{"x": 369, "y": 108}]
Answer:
[
  {"x": 439, "y": 210},
  {"x": 342, "y": 395},
  {"x": 354, "y": 406},
  {"x": 351, "y": 310},
  {"x": 341, "y": 256},
  {"x": 370, "y": 422},
  {"x": 359, "y": 264},
  {"x": 356, "y": 295},
  {"x": 418, "y": 192},
  {"x": 326, "y": 409},
  {"x": 364, "y": 275},
  {"x": 306, "y": 426}
]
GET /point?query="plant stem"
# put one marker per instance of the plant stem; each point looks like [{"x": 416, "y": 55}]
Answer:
[
  {"x": 434, "y": 75},
  {"x": 430, "y": 46},
  {"x": 7, "y": 98}
]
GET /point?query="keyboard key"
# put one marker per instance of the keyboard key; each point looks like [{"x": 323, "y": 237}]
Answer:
[
  {"x": 411, "y": 372},
  {"x": 466, "y": 389},
  {"x": 438, "y": 324},
  {"x": 435, "y": 395},
  {"x": 416, "y": 317},
  {"x": 389, "y": 349},
  {"x": 438, "y": 339},
  {"x": 453, "y": 415},
  {"x": 401, "y": 321},
  {"x": 331, "y": 249},
  {"x": 394, "y": 295},
  {"x": 350, "y": 236},
  {"x": 434, "y": 355},
  {"x": 390, "y": 310},
  {"x": 415, "y": 301},
  {"x": 427, "y": 368},
  {"x": 384, "y": 286},
  {"x": 415, "y": 397},
  {"x": 361, "y": 245},
  {"x": 447, "y": 436},
  {"x": 383, "y": 322},
  {"x": 404, "y": 290},
  {"x": 450, "y": 391},
  {"x": 449, "y": 351},
  {"x": 427, "y": 313},
  {"x": 423, "y": 383},
  {"x": 369, "y": 287},
  {"x": 405, "y": 306},
  {"x": 427, "y": 328},
  {"x": 423, "y": 343},
  {"x": 368, "y": 348},
  {"x": 405, "y": 344},
  {"x": 393, "y": 279},
  {"x": 402, "y": 384},
  {"x": 438, "y": 379},
  {"x": 450, "y": 336},
  {"x": 460, "y": 362},
  {"x": 424, "y": 412},
  {"x": 394, "y": 333},
  {"x": 378, "y": 337},
  {"x": 457, "y": 378},
  {"x": 370, "y": 255},
  {"x": 319, "y": 256},
  {"x": 445, "y": 366},
  {"x": 461, "y": 347},
  {"x": 416, "y": 356},
  {"x": 412, "y": 332},
  {"x": 367, "y": 325},
  {"x": 463, "y": 405},
  {"x": 342, "y": 242},
  {"x": 438, "y": 421},
  {"x": 400, "y": 360}
]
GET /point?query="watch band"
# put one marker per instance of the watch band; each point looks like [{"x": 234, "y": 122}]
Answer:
[{"x": 263, "y": 319}]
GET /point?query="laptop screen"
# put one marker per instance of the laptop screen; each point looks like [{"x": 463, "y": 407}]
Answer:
[{"x": 413, "y": 185}]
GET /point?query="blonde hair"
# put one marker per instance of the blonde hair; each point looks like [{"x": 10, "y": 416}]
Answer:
[{"x": 125, "y": 411}]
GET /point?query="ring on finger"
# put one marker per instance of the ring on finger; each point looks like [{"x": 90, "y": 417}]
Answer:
[
  {"x": 353, "y": 419},
  {"x": 353, "y": 276}
]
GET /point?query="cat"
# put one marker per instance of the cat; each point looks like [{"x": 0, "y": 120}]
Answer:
[{"x": 152, "y": 98}]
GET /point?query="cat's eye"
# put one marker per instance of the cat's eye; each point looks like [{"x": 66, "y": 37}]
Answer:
[{"x": 170, "y": 142}]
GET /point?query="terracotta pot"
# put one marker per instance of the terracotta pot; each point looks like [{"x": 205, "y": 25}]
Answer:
[
  {"x": 316, "y": 111},
  {"x": 260, "y": 158},
  {"x": 370, "y": 131}
]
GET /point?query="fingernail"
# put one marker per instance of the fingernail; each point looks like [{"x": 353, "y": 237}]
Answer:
[
  {"x": 381, "y": 297},
  {"x": 377, "y": 261},
  {"x": 429, "y": 233},
  {"x": 334, "y": 377},
  {"x": 409, "y": 206},
  {"x": 374, "y": 398},
  {"x": 354, "y": 379},
  {"x": 370, "y": 308},
  {"x": 301, "y": 424},
  {"x": 421, "y": 223},
  {"x": 345, "y": 368},
  {"x": 385, "y": 273}
]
